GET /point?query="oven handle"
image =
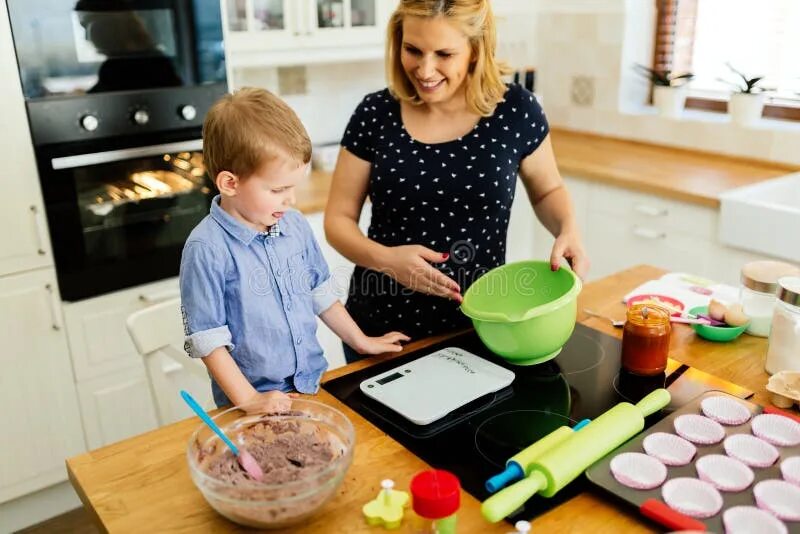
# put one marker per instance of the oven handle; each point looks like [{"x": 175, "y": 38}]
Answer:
[
  {"x": 53, "y": 307},
  {"x": 39, "y": 224},
  {"x": 95, "y": 158}
]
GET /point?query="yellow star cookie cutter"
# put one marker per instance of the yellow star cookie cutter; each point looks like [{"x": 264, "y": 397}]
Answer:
[{"x": 387, "y": 508}]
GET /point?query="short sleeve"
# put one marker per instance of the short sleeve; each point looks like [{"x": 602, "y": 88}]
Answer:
[
  {"x": 531, "y": 122},
  {"x": 359, "y": 136},
  {"x": 202, "y": 283}
]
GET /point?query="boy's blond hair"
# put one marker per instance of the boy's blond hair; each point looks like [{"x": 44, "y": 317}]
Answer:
[
  {"x": 245, "y": 129},
  {"x": 485, "y": 87}
]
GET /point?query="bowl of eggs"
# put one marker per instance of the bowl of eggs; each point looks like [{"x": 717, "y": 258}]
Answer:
[{"x": 734, "y": 320}]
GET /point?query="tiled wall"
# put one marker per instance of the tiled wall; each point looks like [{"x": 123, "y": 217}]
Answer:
[{"x": 600, "y": 40}]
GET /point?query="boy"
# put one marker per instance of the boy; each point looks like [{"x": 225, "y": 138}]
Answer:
[{"x": 252, "y": 276}]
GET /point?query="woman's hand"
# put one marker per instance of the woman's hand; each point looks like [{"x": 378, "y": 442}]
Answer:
[
  {"x": 378, "y": 345},
  {"x": 411, "y": 266},
  {"x": 269, "y": 402},
  {"x": 568, "y": 245}
]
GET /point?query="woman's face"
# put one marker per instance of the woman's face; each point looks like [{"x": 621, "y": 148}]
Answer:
[{"x": 436, "y": 56}]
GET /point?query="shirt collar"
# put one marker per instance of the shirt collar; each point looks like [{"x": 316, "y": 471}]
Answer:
[{"x": 237, "y": 229}]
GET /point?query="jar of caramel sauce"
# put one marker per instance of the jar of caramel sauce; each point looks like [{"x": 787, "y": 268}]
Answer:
[{"x": 645, "y": 339}]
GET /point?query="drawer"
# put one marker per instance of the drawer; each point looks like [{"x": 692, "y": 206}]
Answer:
[
  {"x": 99, "y": 342},
  {"x": 634, "y": 207}
]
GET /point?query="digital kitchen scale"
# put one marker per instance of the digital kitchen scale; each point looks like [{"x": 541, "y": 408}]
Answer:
[{"x": 429, "y": 388}]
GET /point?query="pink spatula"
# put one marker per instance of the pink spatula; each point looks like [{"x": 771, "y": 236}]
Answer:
[{"x": 246, "y": 460}]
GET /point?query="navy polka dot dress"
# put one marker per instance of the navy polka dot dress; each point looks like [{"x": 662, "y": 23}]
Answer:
[{"x": 451, "y": 197}]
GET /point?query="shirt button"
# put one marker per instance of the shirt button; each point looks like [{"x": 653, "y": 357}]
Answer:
[
  {"x": 288, "y": 306},
  {"x": 298, "y": 340}
]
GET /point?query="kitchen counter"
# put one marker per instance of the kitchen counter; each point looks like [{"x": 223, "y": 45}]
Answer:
[
  {"x": 685, "y": 175},
  {"x": 142, "y": 484}
]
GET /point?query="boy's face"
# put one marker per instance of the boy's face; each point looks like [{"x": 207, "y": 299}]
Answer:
[{"x": 260, "y": 200}]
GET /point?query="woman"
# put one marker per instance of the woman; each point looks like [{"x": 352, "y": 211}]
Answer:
[{"x": 438, "y": 153}]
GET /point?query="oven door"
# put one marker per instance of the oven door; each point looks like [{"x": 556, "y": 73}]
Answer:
[
  {"x": 119, "y": 218},
  {"x": 79, "y": 47}
]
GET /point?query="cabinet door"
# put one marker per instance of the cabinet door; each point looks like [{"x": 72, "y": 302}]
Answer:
[
  {"x": 116, "y": 406},
  {"x": 21, "y": 207},
  {"x": 344, "y": 22},
  {"x": 41, "y": 421},
  {"x": 253, "y": 25}
]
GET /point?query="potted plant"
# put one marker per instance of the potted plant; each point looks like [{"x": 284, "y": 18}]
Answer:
[
  {"x": 669, "y": 89},
  {"x": 747, "y": 102}
]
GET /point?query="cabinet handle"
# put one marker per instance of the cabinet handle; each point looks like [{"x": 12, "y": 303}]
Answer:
[
  {"x": 54, "y": 305},
  {"x": 40, "y": 235},
  {"x": 648, "y": 233},
  {"x": 653, "y": 211},
  {"x": 159, "y": 296}
]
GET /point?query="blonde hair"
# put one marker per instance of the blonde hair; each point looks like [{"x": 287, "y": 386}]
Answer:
[
  {"x": 245, "y": 129},
  {"x": 484, "y": 84}
]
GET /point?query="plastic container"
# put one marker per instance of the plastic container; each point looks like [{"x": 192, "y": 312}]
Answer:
[
  {"x": 277, "y": 505},
  {"x": 435, "y": 498},
  {"x": 523, "y": 311},
  {"x": 645, "y": 339},
  {"x": 759, "y": 285},
  {"x": 783, "y": 353}
]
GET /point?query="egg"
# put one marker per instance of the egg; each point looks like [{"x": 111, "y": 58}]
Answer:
[
  {"x": 735, "y": 316},
  {"x": 716, "y": 310}
]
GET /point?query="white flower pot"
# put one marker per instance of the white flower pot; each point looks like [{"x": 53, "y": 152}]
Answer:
[
  {"x": 669, "y": 100},
  {"x": 746, "y": 108}
]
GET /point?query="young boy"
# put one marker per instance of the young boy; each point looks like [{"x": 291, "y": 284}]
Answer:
[{"x": 252, "y": 276}]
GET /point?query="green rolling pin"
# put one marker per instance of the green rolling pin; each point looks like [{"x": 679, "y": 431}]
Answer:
[{"x": 560, "y": 465}]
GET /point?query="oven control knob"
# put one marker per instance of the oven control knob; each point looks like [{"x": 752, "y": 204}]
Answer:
[
  {"x": 89, "y": 122},
  {"x": 187, "y": 112},
  {"x": 141, "y": 117}
]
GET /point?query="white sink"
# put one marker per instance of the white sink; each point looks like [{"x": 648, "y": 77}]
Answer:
[{"x": 763, "y": 217}]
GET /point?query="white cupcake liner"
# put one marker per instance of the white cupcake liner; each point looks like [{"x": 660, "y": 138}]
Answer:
[
  {"x": 699, "y": 429},
  {"x": 749, "y": 519},
  {"x": 724, "y": 473},
  {"x": 669, "y": 449},
  {"x": 725, "y": 410},
  {"x": 776, "y": 429},
  {"x": 692, "y": 497},
  {"x": 638, "y": 471},
  {"x": 790, "y": 470},
  {"x": 751, "y": 450},
  {"x": 779, "y": 498}
]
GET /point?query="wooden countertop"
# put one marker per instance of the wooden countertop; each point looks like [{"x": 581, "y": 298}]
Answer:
[
  {"x": 142, "y": 484},
  {"x": 685, "y": 175}
]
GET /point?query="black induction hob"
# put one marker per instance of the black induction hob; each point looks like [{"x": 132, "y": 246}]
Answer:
[{"x": 474, "y": 442}]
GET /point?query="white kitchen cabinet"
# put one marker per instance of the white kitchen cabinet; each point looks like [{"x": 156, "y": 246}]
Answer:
[
  {"x": 261, "y": 33},
  {"x": 116, "y": 406},
  {"x": 27, "y": 246},
  {"x": 41, "y": 422}
]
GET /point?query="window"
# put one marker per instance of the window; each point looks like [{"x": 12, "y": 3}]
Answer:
[{"x": 756, "y": 37}]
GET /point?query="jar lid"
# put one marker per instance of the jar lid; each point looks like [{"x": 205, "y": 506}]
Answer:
[
  {"x": 789, "y": 290},
  {"x": 762, "y": 276},
  {"x": 435, "y": 494}
]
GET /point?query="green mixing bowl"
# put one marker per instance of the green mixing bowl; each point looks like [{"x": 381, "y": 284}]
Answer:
[
  {"x": 716, "y": 333},
  {"x": 523, "y": 311}
]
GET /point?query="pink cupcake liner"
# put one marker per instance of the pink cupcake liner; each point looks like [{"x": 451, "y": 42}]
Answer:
[
  {"x": 638, "y": 471},
  {"x": 725, "y": 410},
  {"x": 779, "y": 498},
  {"x": 751, "y": 450},
  {"x": 724, "y": 473},
  {"x": 669, "y": 449},
  {"x": 776, "y": 429},
  {"x": 692, "y": 497},
  {"x": 699, "y": 429},
  {"x": 749, "y": 519},
  {"x": 790, "y": 470}
]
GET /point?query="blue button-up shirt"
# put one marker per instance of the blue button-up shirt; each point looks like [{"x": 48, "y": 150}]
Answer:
[{"x": 258, "y": 294}]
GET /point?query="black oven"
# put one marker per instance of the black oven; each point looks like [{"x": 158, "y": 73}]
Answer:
[{"x": 116, "y": 92}]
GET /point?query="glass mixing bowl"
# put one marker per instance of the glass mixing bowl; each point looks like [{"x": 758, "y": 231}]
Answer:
[{"x": 297, "y": 482}]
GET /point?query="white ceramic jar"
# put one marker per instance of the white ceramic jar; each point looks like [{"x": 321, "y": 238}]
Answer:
[
  {"x": 783, "y": 353},
  {"x": 759, "y": 286}
]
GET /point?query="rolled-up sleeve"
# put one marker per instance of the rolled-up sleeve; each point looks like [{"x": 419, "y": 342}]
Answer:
[{"x": 202, "y": 282}]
